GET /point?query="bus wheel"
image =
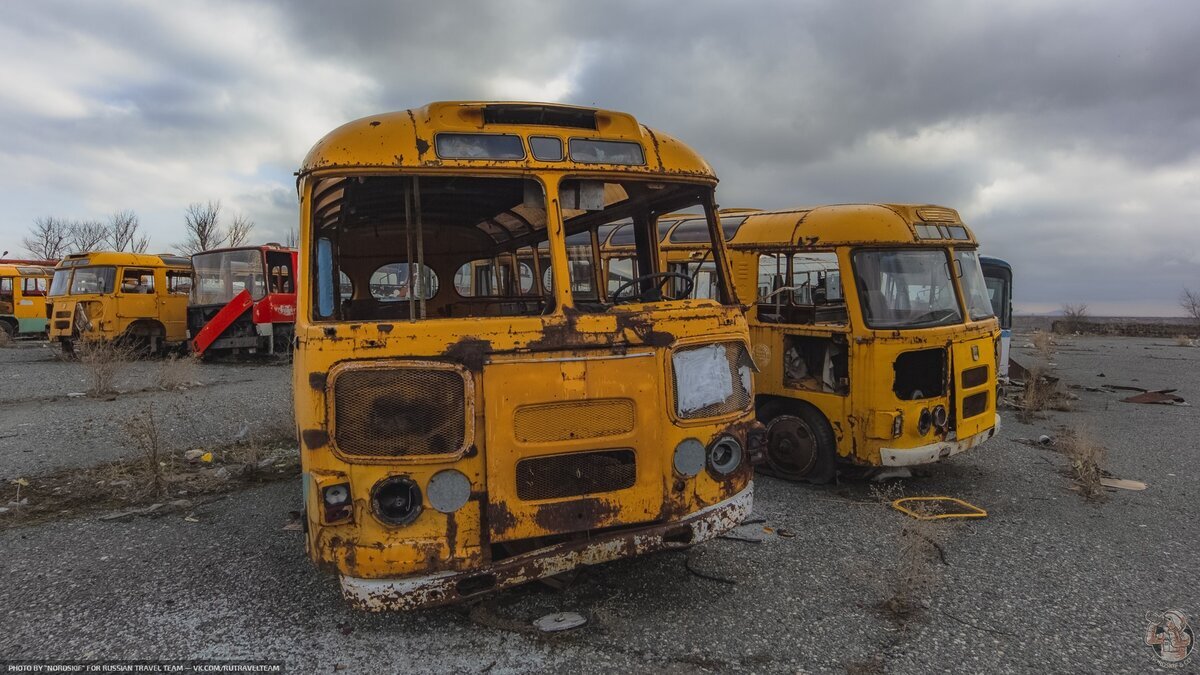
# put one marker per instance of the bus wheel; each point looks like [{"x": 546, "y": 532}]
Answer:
[{"x": 801, "y": 446}]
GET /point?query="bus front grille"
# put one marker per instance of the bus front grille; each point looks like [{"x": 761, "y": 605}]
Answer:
[
  {"x": 575, "y": 474},
  {"x": 974, "y": 377},
  {"x": 570, "y": 420},
  {"x": 975, "y": 404},
  {"x": 400, "y": 410}
]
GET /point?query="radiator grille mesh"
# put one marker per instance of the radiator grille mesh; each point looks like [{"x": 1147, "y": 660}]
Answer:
[
  {"x": 575, "y": 474},
  {"x": 569, "y": 420},
  {"x": 399, "y": 411}
]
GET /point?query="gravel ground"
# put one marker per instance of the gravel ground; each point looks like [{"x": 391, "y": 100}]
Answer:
[
  {"x": 44, "y": 428},
  {"x": 1047, "y": 583}
]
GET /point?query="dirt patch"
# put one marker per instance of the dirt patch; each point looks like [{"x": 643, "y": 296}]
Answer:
[{"x": 165, "y": 481}]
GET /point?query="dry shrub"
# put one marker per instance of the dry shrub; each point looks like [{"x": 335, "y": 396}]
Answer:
[
  {"x": 1087, "y": 462},
  {"x": 103, "y": 361},
  {"x": 1043, "y": 344},
  {"x": 143, "y": 430},
  {"x": 1039, "y": 394},
  {"x": 1181, "y": 340},
  {"x": 1074, "y": 316},
  {"x": 177, "y": 372},
  {"x": 918, "y": 558}
]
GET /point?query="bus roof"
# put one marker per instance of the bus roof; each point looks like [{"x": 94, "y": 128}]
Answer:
[
  {"x": 849, "y": 224},
  {"x": 118, "y": 258},
  {"x": 989, "y": 261},
  {"x": 259, "y": 247},
  {"x": 24, "y": 271},
  {"x": 407, "y": 139}
]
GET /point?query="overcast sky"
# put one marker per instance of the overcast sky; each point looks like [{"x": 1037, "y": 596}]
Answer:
[{"x": 1068, "y": 135}]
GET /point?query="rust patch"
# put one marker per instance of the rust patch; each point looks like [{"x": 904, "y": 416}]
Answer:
[
  {"x": 500, "y": 518},
  {"x": 644, "y": 330},
  {"x": 315, "y": 438},
  {"x": 374, "y": 123},
  {"x": 471, "y": 352},
  {"x": 384, "y": 327},
  {"x": 422, "y": 146},
  {"x": 318, "y": 380},
  {"x": 579, "y": 514}
]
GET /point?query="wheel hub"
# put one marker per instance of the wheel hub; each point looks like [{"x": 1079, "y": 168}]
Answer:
[{"x": 791, "y": 447}]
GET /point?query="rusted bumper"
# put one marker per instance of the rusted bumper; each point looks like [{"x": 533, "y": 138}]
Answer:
[
  {"x": 378, "y": 595},
  {"x": 927, "y": 454}
]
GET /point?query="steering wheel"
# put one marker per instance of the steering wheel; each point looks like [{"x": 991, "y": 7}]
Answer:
[{"x": 618, "y": 298}]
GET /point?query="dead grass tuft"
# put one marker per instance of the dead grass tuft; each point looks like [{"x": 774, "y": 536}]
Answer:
[
  {"x": 143, "y": 431},
  {"x": 1087, "y": 462},
  {"x": 1181, "y": 340},
  {"x": 919, "y": 558},
  {"x": 1040, "y": 393},
  {"x": 177, "y": 372},
  {"x": 103, "y": 361},
  {"x": 1043, "y": 344}
]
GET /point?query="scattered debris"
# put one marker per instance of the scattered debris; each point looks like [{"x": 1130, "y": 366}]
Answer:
[
  {"x": 1161, "y": 396},
  {"x": 1044, "y": 440},
  {"x": 937, "y": 508},
  {"x": 145, "y": 510},
  {"x": 559, "y": 621},
  {"x": 1123, "y": 484}
]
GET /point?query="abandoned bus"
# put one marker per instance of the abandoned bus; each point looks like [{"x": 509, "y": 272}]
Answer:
[
  {"x": 871, "y": 327},
  {"x": 476, "y": 409},
  {"x": 106, "y": 296},
  {"x": 997, "y": 274},
  {"x": 243, "y": 299},
  {"x": 23, "y": 299}
]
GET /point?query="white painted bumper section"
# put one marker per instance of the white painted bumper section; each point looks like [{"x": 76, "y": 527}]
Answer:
[
  {"x": 446, "y": 587},
  {"x": 927, "y": 454}
]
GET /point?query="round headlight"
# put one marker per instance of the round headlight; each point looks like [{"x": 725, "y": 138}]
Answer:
[
  {"x": 725, "y": 455},
  {"x": 689, "y": 457},
  {"x": 924, "y": 421},
  {"x": 448, "y": 491},
  {"x": 396, "y": 500},
  {"x": 939, "y": 416}
]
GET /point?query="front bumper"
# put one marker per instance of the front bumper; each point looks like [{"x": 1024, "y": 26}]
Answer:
[
  {"x": 378, "y": 595},
  {"x": 928, "y": 454}
]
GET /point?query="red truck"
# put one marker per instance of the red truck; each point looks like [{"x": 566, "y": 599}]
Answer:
[{"x": 243, "y": 300}]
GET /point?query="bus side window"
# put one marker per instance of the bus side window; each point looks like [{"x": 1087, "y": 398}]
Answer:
[
  {"x": 179, "y": 283},
  {"x": 33, "y": 286},
  {"x": 817, "y": 288},
  {"x": 137, "y": 281},
  {"x": 6, "y": 289}
]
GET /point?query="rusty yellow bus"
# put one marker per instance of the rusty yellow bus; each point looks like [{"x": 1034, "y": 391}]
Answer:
[
  {"x": 476, "y": 408},
  {"x": 871, "y": 325},
  {"x": 23, "y": 299},
  {"x": 138, "y": 299}
]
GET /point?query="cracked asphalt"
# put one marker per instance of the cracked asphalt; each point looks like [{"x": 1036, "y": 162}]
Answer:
[{"x": 1048, "y": 582}]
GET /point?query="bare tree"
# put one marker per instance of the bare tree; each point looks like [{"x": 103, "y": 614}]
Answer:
[
  {"x": 123, "y": 227},
  {"x": 47, "y": 238},
  {"x": 86, "y": 235},
  {"x": 1189, "y": 300},
  {"x": 239, "y": 230},
  {"x": 1074, "y": 316},
  {"x": 203, "y": 228}
]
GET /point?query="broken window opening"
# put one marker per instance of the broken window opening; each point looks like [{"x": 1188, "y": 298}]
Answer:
[
  {"x": 386, "y": 247},
  {"x": 816, "y": 363},
  {"x": 801, "y": 288},
  {"x": 920, "y": 374}
]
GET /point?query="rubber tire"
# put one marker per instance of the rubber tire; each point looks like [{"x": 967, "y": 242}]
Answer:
[
  {"x": 823, "y": 468},
  {"x": 8, "y": 329}
]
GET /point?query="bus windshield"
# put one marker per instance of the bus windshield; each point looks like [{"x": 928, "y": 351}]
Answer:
[
  {"x": 979, "y": 304},
  {"x": 476, "y": 245},
  {"x": 905, "y": 288},
  {"x": 221, "y": 275},
  {"x": 89, "y": 280},
  {"x": 60, "y": 283}
]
